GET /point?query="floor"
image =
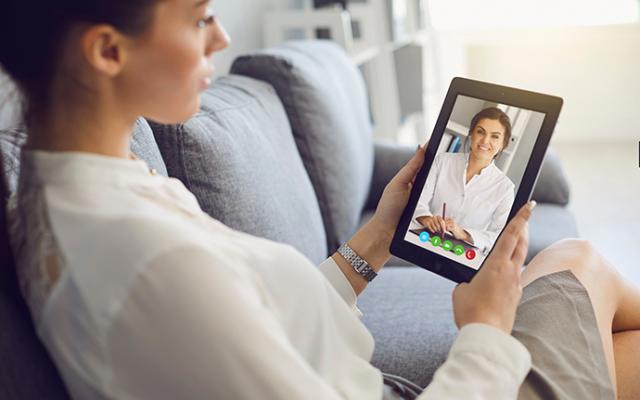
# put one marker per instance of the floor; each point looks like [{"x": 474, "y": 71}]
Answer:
[{"x": 605, "y": 199}]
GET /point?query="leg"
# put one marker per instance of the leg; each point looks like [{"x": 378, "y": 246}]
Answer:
[
  {"x": 616, "y": 303},
  {"x": 626, "y": 346}
]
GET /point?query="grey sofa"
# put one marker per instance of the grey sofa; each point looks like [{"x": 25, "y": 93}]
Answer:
[{"x": 282, "y": 148}]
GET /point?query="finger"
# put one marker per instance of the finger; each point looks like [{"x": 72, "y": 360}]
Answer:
[
  {"x": 408, "y": 172},
  {"x": 433, "y": 227},
  {"x": 509, "y": 238},
  {"x": 460, "y": 288},
  {"x": 435, "y": 223},
  {"x": 520, "y": 251},
  {"x": 524, "y": 213}
]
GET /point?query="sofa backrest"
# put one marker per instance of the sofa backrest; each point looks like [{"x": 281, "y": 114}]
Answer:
[
  {"x": 325, "y": 98},
  {"x": 238, "y": 157}
]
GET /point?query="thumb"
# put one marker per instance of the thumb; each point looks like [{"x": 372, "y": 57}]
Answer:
[
  {"x": 407, "y": 174},
  {"x": 459, "y": 289}
]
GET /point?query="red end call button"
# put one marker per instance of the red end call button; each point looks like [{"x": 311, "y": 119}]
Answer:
[{"x": 470, "y": 254}]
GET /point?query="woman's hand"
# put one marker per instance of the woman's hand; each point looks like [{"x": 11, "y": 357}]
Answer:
[
  {"x": 458, "y": 232},
  {"x": 373, "y": 240},
  {"x": 396, "y": 195},
  {"x": 493, "y": 294},
  {"x": 433, "y": 223}
]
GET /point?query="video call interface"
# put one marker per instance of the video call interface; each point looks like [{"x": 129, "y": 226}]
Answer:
[{"x": 476, "y": 173}]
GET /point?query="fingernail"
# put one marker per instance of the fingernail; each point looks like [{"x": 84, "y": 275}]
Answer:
[{"x": 532, "y": 205}]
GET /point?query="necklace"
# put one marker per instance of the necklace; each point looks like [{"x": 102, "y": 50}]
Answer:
[{"x": 132, "y": 156}]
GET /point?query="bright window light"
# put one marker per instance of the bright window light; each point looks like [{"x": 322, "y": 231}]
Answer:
[{"x": 491, "y": 14}]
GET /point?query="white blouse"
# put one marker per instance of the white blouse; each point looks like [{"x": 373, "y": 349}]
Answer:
[
  {"x": 480, "y": 207},
  {"x": 138, "y": 294}
]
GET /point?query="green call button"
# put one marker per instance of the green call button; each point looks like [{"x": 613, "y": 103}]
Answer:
[
  {"x": 436, "y": 241},
  {"x": 459, "y": 250}
]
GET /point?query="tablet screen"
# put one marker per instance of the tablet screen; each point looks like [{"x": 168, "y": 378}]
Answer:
[{"x": 471, "y": 186}]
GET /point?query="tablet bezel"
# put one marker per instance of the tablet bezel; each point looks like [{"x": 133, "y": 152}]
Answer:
[{"x": 549, "y": 105}]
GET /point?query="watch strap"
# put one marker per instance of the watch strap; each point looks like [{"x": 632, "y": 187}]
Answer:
[{"x": 359, "y": 265}]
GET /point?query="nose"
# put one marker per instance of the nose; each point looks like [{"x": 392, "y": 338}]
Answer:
[{"x": 218, "y": 38}]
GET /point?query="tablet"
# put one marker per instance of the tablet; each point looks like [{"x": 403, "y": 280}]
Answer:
[{"x": 481, "y": 164}]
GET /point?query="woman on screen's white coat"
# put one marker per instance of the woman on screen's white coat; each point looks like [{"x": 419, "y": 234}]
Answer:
[{"x": 478, "y": 194}]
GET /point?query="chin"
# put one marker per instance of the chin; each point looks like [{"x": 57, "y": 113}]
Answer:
[{"x": 178, "y": 114}]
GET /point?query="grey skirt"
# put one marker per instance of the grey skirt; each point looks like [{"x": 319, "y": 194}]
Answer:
[{"x": 556, "y": 323}]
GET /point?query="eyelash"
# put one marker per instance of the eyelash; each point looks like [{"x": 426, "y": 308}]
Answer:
[
  {"x": 209, "y": 19},
  {"x": 481, "y": 132}
]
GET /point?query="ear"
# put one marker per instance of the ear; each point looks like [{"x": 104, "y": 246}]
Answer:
[{"x": 104, "y": 48}]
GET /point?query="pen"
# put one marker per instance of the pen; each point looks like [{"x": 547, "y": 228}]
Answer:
[{"x": 444, "y": 214}]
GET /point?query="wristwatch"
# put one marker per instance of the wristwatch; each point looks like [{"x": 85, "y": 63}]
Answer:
[{"x": 358, "y": 264}]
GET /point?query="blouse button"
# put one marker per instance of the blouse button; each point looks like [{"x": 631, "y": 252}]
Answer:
[{"x": 153, "y": 171}]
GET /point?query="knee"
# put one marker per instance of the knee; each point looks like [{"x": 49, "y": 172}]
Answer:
[
  {"x": 577, "y": 247},
  {"x": 582, "y": 257}
]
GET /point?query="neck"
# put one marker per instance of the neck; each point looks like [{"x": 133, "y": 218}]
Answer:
[
  {"x": 477, "y": 164},
  {"x": 83, "y": 126}
]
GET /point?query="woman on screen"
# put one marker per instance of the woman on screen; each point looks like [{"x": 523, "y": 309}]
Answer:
[{"x": 477, "y": 194}]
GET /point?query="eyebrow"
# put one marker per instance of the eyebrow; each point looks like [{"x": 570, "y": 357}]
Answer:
[{"x": 482, "y": 127}]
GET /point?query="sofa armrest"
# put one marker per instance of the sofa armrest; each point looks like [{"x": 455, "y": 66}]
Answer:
[
  {"x": 552, "y": 186},
  {"x": 388, "y": 159}
]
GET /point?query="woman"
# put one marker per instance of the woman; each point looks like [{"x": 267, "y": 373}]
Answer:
[
  {"x": 138, "y": 294},
  {"x": 477, "y": 194}
]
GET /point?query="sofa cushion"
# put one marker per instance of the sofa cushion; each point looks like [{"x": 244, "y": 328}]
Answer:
[
  {"x": 326, "y": 101},
  {"x": 238, "y": 157},
  {"x": 144, "y": 146},
  {"x": 552, "y": 185},
  {"x": 11, "y": 141},
  {"x": 548, "y": 224},
  {"x": 389, "y": 159},
  {"x": 408, "y": 310}
]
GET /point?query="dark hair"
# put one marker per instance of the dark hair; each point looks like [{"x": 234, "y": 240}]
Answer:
[
  {"x": 494, "y": 113},
  {"x": 32, "y": 35}
]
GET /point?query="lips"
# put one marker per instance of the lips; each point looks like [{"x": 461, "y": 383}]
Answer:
[
  {"x": 204, "y": 83},
  {"x": 484, "y": 148}
]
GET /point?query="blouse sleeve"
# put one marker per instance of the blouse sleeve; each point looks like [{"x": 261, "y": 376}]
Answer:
[
  {"x": 484, "y": 363},
  {"x": 484, "y": 239},
  {"x": 191, "y": 331},
  {"x": 340, "y": 283}
]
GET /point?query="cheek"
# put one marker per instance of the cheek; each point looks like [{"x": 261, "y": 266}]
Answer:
[{"x": 167, "y": 79}]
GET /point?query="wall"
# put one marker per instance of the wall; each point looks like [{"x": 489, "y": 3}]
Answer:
[
  {"x": 243, "y": 21},
  {"x": 596, "y": 70}
]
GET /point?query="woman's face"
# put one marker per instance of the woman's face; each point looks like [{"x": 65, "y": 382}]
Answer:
[
  {"x": 487, "y": 138},
  {"x": 169, "y": 64}
]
